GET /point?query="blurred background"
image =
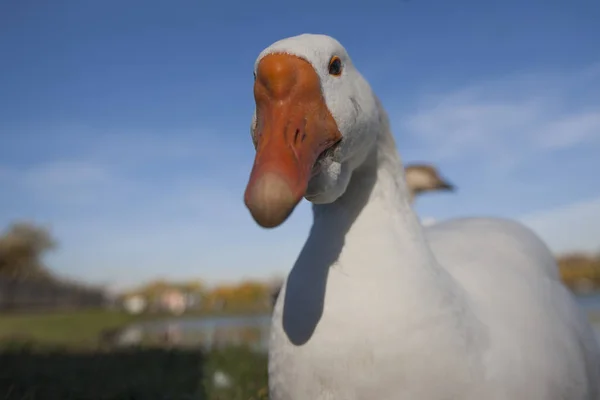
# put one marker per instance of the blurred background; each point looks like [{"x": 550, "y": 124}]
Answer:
[{"x": 129, "y": 266}]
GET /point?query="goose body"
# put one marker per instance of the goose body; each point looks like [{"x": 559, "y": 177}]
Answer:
[{"x": 376, "y": 306}]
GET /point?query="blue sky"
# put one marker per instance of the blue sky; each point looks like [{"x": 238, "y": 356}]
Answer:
[{"x": 124, "y": 126}]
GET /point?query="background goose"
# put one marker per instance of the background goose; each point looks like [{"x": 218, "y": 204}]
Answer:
[
  {"x": 376, "y": 306},
  {"x": 422, "y": 178}
]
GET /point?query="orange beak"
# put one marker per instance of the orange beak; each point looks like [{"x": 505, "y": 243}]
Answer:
[{"x": 293, "y": 127}]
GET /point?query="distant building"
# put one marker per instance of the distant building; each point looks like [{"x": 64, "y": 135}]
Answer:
[
  {"x": 174, "y": 301},
  {"x": 135, "y": 304}
]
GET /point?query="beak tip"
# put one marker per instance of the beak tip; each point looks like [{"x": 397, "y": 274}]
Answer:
[
  {"x": 270, "y": 200},
  {"x": 449, "y": 187},
  {"x": 267, "y": 218}
]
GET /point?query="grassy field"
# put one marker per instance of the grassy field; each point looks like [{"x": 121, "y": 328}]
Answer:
[
  {"x": 57, "y": 356},
  {"x": 72, "y": 329},
  {"x": 141, "y": 373},
  {"x": 76, "y": 328}
]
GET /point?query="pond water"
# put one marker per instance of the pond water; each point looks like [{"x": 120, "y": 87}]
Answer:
[
  {"x": 206, "y": 332},
  {"x": 211, "y": 332},
  {"x": 589, "y": 302}
]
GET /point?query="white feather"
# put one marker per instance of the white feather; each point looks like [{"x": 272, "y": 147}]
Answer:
[{"x": 378, "y": 307}]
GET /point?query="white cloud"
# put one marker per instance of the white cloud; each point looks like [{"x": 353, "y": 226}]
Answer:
[
  {"x": 500, "y": 123},
  {"x": 572, "y": 227},
  {"x": 514, "y": 145},
  {"x": 121, "y": 148},
  {"x": 91, "y": 168},
  {"x": 70, "y": 182},
  {"x": 571, "y": 130},
  {"x": 64, "y": 174},
  {"x": 65, "y": 183}
]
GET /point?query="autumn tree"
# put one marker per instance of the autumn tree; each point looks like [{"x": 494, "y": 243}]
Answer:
[
  {"x": 576, "y": 268},
  {"x": 245, "y": 295},
  {"x": 22, "y": 247}
]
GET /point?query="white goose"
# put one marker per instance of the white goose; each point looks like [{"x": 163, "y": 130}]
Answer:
[
  {"x": 420, "y": 178},
  {"x": 376, "y": 307}
]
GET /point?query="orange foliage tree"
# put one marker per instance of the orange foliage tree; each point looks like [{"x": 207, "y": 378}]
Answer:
[
  {"x": 246, "y": 295},
  {"x": 577, "y": 269},
  {"x": 22, "y": 247}
]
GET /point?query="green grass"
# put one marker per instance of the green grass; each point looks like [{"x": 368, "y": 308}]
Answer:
[
  {"x": 58, "y": 356},
  {"x": 142, "y": 373},
  {"x": 77, "y": 328}
]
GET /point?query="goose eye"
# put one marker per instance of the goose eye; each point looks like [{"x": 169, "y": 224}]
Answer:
[
  {"x": 254, "y": 73},
  {"x": 335, "y": 66}
]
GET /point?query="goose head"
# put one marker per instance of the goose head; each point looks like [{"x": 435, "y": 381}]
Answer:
[
  {"x": 425, "y": 178},
  {"x": 316, "y": 119}
]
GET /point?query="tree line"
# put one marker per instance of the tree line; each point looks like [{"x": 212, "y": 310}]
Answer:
[{"x": 23, "y": 246}]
